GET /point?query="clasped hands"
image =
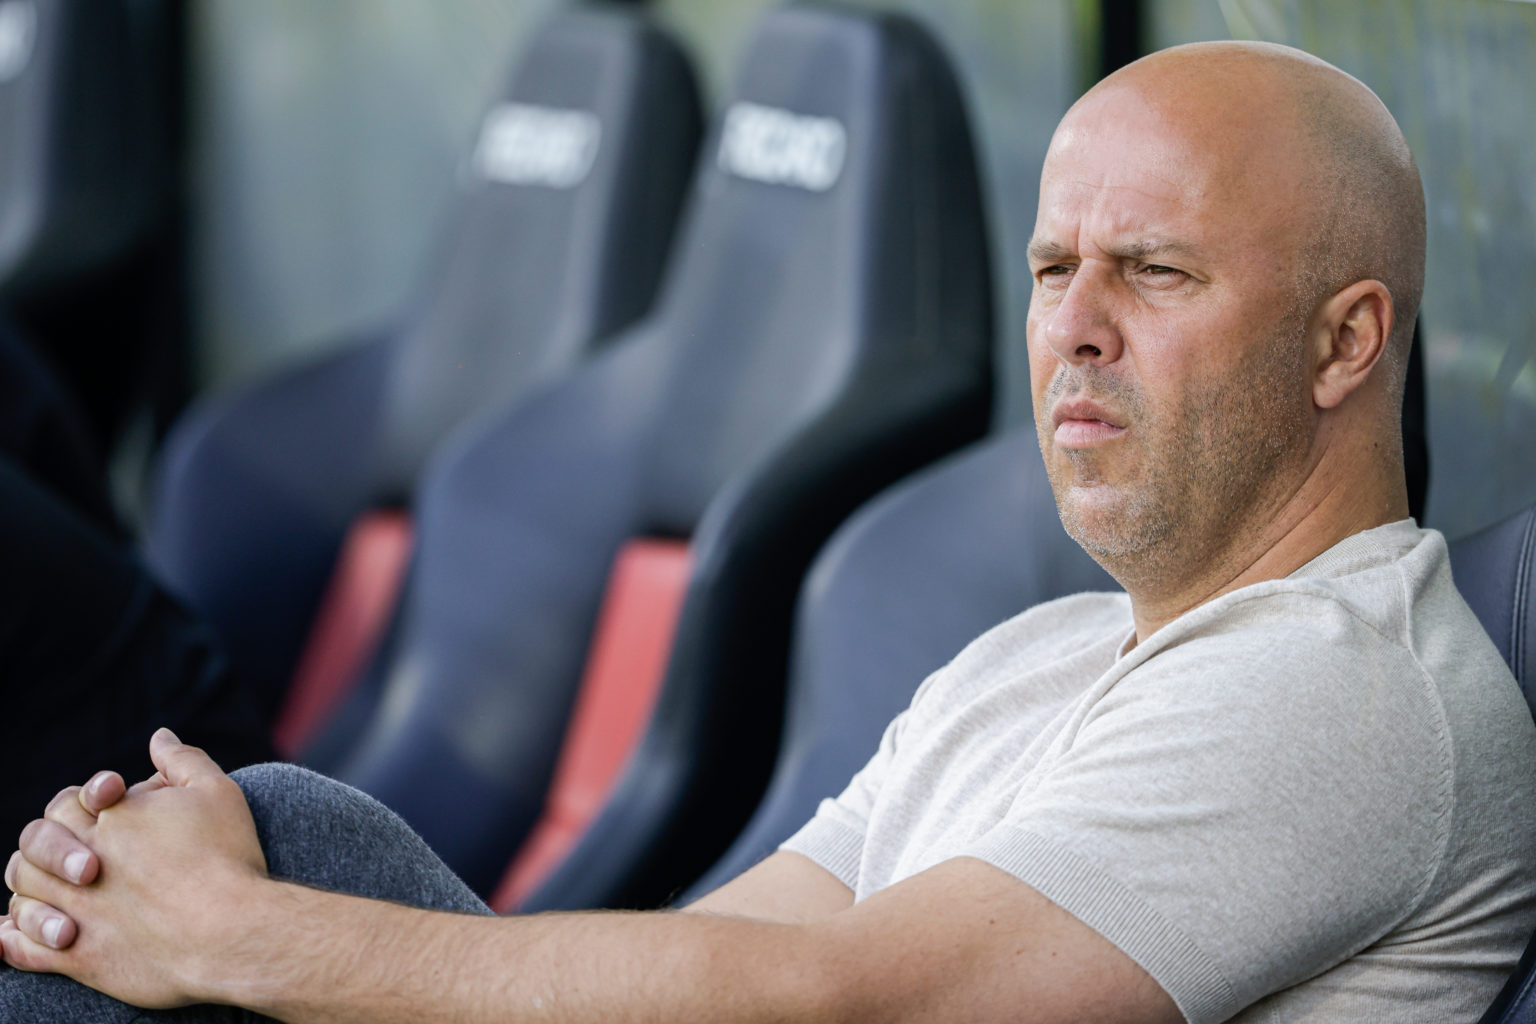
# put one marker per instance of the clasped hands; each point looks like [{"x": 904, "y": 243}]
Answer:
[{"x": 129, "y": 889}]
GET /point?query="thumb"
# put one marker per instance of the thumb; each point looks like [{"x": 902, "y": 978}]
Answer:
[{"x": 179, "y": 763}]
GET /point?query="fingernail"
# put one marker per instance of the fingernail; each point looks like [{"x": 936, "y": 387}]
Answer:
[
  {"x": 51, "y": 929},
  {"x": 74, "y": 865}
]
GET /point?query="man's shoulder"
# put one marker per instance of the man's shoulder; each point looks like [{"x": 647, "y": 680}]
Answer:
[
  {"x": 1381, "y": 593},
  {"x": 1377, "y": 624}
]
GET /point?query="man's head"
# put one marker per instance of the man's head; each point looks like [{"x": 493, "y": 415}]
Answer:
[{"x": 1228, "y": 259}]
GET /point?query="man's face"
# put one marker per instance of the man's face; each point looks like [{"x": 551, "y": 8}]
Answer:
[{"x": 1165, "y": 336}]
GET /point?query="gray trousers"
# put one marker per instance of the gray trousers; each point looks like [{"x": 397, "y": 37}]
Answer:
[{"x": 314, "y": 831}]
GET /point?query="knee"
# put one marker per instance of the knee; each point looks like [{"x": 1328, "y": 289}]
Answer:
[
  {"x": 287, "y": 796},
  {"x": 266, "y": 782},
  {"x": 317, "y": 831},
  {"x": 305, "y": 820}
]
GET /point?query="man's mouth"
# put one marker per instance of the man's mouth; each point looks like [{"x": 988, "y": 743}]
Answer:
[{"x": 1081, "y": 423}]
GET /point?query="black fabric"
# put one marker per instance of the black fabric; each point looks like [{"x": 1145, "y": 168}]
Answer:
[
  {"x": 816, "y": 338},
  {"x": 94, "y": 657},
  {"x": 43, "y": 432},
  {"x": 91, "y": 241},
  {"x": 88, "y": 139},
  {"x": 256, "y": 488}
]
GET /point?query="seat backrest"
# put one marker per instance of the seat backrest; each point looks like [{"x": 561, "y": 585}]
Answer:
[
  {"x": 898, "y": 271},
  {"x": 1496, "y": 572},
  {"x": 824, "y": 327},
  {"x": 568, "y": 210},
  {"x": 572, "y": 193}
]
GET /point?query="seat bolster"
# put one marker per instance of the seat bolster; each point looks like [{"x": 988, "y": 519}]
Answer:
[
  {"x": 735, "y": 626},
  {"x": 1495, "y": 571}
]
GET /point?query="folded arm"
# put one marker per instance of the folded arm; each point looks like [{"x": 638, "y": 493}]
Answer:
[{"x": 174, "y": 906}]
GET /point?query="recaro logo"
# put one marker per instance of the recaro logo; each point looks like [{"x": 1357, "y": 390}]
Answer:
[
  {"x": 778, "y": 147},
  {"x": 522, "y": 144},
  {"x": 18, "y": 32}
]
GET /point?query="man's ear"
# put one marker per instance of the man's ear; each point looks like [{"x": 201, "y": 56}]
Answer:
[{"x": 1353, "y": 335}]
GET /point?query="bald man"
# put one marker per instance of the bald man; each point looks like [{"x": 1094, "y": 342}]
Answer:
[{"x": 1282, "y": 777}]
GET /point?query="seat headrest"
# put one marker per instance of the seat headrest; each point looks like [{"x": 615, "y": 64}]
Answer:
[
  {"x": 836, "y": 222},
  {"x": 569, "y": 198}
]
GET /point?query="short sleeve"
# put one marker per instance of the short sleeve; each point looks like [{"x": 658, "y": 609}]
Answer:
[
  {"x": 1206, "y": 813},
  {"x": 834, "y": 837}
]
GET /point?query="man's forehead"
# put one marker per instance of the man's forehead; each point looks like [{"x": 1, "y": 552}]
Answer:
[
  {"x": 1129, "y": 207},
  {"x": 1144, "y": 174},
  {"x": 1123, "y": 138}
]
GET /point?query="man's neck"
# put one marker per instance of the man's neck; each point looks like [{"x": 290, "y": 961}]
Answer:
[{"x": 1330, "y": 505}]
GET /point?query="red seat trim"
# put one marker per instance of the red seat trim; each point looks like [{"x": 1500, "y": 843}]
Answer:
[
  {"x": 347, "y": 629},
  {"x": 619, "y": 687}
]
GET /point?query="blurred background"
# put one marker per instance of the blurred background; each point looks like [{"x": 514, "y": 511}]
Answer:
[{"x": 326, "y": 141}]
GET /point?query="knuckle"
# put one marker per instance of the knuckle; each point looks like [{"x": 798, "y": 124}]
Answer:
[
  {"x": 61, "y": 799},
  {"x": 43, "y": 924},
  {"x": 29, "y": 832},
  {"x": 68, "y": 815},
  {"x": 45, "y": 846},
  {"x": 24, "y": 912},
  {"x": 32, "y": 883},
  {"x": 25, "y": 953},
  {"x": 38, "y": 837},
  {"x": 52, "y": 850}
]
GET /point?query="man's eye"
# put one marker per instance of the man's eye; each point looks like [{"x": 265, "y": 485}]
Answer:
[
  {"x": 1158, "y": 270},
  {"x": 1055, "y": 270}
]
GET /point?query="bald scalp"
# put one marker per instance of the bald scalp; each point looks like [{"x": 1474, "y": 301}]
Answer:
[{"x": 1358, "y": 184}]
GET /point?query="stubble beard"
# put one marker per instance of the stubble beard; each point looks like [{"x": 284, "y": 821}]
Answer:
[{"x": 1198, "y": 476}]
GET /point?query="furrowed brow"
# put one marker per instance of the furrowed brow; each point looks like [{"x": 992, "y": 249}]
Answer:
[
  {"x": 1153, "y": 249},
  {"x": 1043, "y": 253}
]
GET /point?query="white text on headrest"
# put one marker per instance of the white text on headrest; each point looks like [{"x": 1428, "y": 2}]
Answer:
[
  {"x": 782, "y": 148},
  {"x": 521, "y": 144},
  {"x": 18, "y": 31}
]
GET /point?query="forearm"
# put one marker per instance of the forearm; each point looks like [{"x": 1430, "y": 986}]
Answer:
[{"x": 306, "y": 956}]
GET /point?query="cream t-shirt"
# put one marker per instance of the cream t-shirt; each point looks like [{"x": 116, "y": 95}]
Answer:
[{"x": 1307, "y": 800}]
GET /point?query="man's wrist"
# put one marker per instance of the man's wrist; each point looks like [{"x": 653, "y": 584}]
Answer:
[{"x": 240, "y": 937}]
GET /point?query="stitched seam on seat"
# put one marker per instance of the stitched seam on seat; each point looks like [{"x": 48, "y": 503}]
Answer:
[{"x": 1521, "y": 596}]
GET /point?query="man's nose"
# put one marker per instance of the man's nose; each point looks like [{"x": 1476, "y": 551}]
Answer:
[{"x": 1082, "y": 329}]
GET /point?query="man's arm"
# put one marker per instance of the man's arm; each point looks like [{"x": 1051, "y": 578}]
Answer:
[
  {"x": 182, "y": 912},
  {"x": 785, "y": 887}
]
